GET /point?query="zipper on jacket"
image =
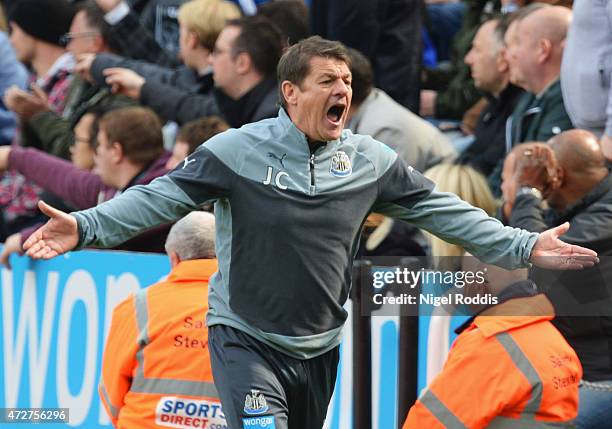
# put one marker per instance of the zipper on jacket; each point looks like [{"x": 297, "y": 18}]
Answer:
[
  {"x": 311, "y": 165},
  {"x": 312, "y": 169}
]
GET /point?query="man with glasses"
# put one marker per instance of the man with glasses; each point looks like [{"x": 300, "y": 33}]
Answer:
[{"x": 52, "y": 130}]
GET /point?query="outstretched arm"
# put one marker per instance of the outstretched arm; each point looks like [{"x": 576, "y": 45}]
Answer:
[{"x": 164, "y": 200}]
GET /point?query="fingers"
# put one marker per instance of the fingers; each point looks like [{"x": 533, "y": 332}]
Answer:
[
  {"x": 41, "y": 251},
  {"x": 52, "y": 212},
  {"x": 560, "y": 230},
  {"x": 583, "y": 252},
  {"x": 38, "y": 92},
  {"x": 4, "y": 259}
]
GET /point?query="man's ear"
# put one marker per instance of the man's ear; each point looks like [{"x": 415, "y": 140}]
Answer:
[
  {"x": 174, "y": 258},
  {"x": 192, "y": 40},
  {"x": 545, "y": 49},
  {"x": 501, "y": 63},
  {"x": 558, "y": 179},
  {"x": 243, "y": 63},
  {"x": 117, "y": 152},
  {"x": 289, "y": 90}
]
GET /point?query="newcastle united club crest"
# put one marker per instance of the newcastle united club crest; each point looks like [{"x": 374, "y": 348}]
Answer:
[
  {"x": 255, "y": 403},
  {"x": 340, "y": 165}
]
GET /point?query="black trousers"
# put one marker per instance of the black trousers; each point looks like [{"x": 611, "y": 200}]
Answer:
[{"x": 262, "y": 388}]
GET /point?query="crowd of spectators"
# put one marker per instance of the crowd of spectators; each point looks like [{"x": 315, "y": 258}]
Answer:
[{"x": 506, "y": 103}]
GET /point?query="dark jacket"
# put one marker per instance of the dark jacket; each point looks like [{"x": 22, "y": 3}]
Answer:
[
  {"x": 455, "y": 86},
  {"x": 489, "y": 146},
  {"x": 53, "y": 133},
  {"x": 576, "y": 294},
  {"x": 538, "y": 118},
  {"x": 83, "y": 189},
  {"x": 535, "y": 119},
  {"x": 180, "y": 106},
  {"x": 154, "y": 38},
  {"x": 181, "y": 77}
]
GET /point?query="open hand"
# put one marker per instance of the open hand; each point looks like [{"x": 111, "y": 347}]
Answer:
[
  {"x": 124, "y": 81},
  {"x": 551, "y": 253},
  {"x": 59, "y": 235}
]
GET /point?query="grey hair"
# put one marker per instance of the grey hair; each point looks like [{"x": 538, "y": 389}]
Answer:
[{"x": 193, "y": 237}]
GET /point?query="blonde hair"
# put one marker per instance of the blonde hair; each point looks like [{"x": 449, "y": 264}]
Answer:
[
  {"x": 467, "y": 184},
  {"x": 206, "y": 18}
]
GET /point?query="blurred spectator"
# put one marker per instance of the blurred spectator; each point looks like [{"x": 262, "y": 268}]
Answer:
[
  {"x": 443, "y": 21},
  {"x": 569, "y": 174},
  {"x": 520, "y": 359},
  {"x": 37, "y": 27},
  {"x": 490, "y": 73},
  {"x": 83, "y": 149},
  {"x": 82, "y": 154},
  {"x": 586, "y": 70},
  {"x": 129, "y": 152},
  {"x": 534, "y": 47},
  {"x": 37, "y": 30},
  {"x": 172, "y": 363},
  {"x": 154, "y": 38},
  {"x": 376, "y": 114},
  {"x": 12, "y": 73},
  {"x": 385, "y": 236},
  {"x": 448, "y": 92},
  {"x": 200, "y": 22},
  {"x": 192, "y": 135},
  {"x": 290, "y": 16},
  {"x": 387, "y": 32},
  {"x": 244, "y": 66},
  {"x": 534, "y": 51},
  {"x": 52, "y": 132}
]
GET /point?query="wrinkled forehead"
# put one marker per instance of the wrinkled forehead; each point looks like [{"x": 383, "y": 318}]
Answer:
[{"x": 327, "y": 66}]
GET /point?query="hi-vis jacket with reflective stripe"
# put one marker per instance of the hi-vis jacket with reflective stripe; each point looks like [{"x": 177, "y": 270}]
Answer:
[
  {"x": 156, "y": 366},
  {"x": 288, "y": 219},
  {"x": 503, "y": 372}
]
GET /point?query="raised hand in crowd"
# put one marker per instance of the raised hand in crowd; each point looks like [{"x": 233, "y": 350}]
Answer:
[
  {"x": 108, "y": 5},
  {"x": 26, "y": 104},
  {"x": 124, "y": 81},
  {"x": 4, "y": 158},
  {"x": 536, "y": 168},
  {"x": 59, "y": 235},
  {"x": 83, "y": 66},
  {"x": 11, "y": 245}
]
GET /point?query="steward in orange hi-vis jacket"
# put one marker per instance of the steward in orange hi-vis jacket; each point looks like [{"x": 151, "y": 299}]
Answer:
[
  {"x": 504, "y": 371},
  {"x": 156, "y": 367}
]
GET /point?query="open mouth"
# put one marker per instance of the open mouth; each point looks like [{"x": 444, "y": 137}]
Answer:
[{"x": 335, "y": 112}]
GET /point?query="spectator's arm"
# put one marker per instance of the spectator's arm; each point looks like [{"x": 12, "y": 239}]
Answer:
[
  {"x": 151, "y": 72},
  {"x": 527, "y": 213},
  {"x": 79, "y": 187},
  {"x": 174, "y": 104},
  {"x": 119, "y": 360},
  {"x": 53, "y": 132}
]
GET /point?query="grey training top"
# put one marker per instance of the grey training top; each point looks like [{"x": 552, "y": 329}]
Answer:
[{"x": 288, "y": 224}]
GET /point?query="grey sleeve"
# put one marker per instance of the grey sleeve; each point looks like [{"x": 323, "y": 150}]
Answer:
[
  {"x": 201, "y": 178},
  {"x": 452, "y": 219}
]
